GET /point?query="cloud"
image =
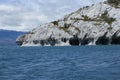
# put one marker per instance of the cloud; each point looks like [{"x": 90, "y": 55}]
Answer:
[
  {"x": 24, "y": 15},
  {"x": 6, "y": 8}
]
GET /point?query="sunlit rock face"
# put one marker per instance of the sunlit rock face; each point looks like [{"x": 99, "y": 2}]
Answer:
[{"x": 97, "y": 24}]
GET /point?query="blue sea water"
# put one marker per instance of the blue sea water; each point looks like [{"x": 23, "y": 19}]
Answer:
[{"x": 60, "y": 63}]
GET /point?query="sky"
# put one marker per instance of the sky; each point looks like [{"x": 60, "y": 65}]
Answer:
[{"x": 24, "y": 15}]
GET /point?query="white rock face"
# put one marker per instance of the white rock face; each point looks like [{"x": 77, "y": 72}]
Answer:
[{"x": 93, "y": 21}]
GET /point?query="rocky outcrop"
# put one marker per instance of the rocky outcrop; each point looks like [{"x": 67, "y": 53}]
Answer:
[
  {"x": 50, "y": 41},
  {"x": 116, "y": 38},
  {"x": 21, "y": 39},
  {"x": 74, "y": 41},
  {"x": 97, "y": 24},
  {"x": 86, "y": 40},
  {"x": 103, "y": 40}
]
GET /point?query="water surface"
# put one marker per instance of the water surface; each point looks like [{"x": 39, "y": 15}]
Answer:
[{"x": 60, "y": 63}]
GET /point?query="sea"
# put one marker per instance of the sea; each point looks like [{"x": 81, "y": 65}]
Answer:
[{"x": 60, "y": 63}]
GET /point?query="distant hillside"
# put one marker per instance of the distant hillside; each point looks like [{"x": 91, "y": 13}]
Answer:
[{"x": 9, "y": 37}]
